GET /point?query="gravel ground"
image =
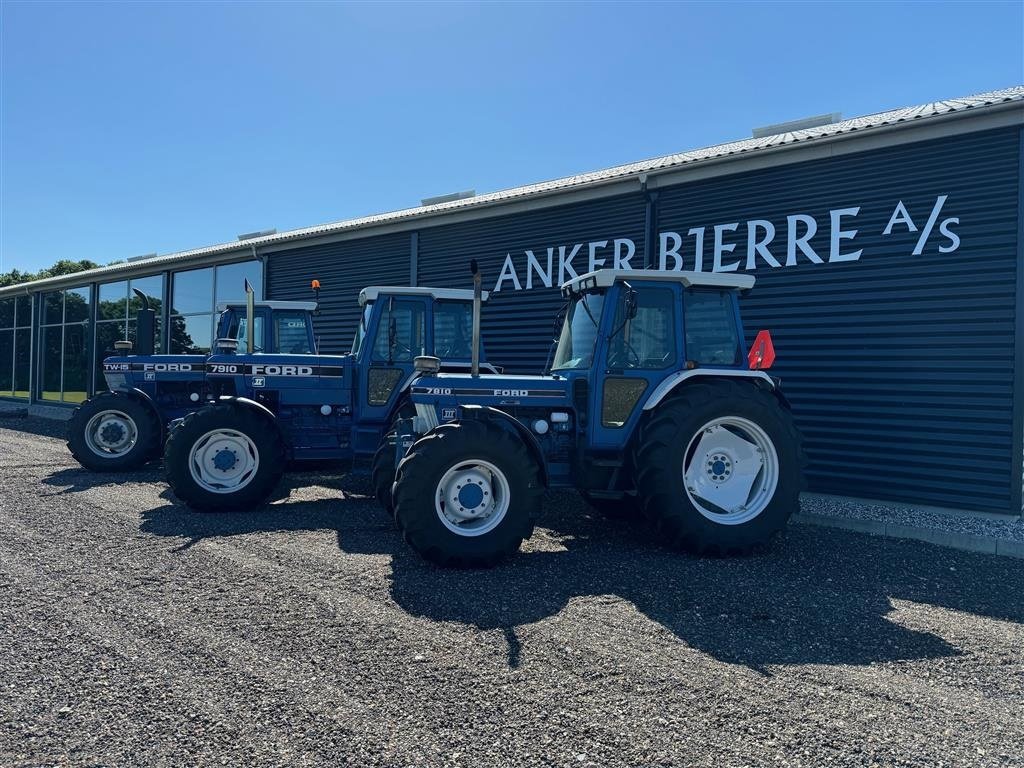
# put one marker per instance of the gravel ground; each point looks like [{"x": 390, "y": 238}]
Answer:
[
  {"x": 135, "y": 633},
  {"x": 1005, "y": 527}
]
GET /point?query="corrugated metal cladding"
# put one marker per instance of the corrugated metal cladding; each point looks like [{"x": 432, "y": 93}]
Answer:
[
  {"x": 517, "y": 326},
  {"x": 899, "y": 367},
  {"x": 343, "y": 269}
]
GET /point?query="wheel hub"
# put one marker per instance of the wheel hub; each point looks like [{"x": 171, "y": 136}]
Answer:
[
  {"x": 468, "y": 495},
  {"x": 225, "y": 459},
  {"x": 472, "y": 497},
  {"x": 110, "y": 433},
  {"x": 731, "y": 470}
]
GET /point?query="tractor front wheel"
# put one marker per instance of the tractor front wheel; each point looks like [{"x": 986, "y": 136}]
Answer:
[
  {"x": 467, "y": 494},
  {"x": 718, "y": 468},
  {"x": 224, "y": 457},
  {"x": 113, "y": 432}
]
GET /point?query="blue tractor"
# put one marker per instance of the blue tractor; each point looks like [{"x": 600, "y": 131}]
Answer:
[
  {"x": 650, "y": 407},
  {"x": 268, "y": 408},
  {"x": 123, "y": 428}
]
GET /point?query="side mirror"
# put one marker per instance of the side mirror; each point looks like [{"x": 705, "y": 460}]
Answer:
[{"x": 631, "y": 302}]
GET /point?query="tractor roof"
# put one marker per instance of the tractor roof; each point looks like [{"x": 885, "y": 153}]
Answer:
[
  {"x": 603, "y": 278},
  {"x": 303, "y": 306},
  {"x": 452, "y": 294}
]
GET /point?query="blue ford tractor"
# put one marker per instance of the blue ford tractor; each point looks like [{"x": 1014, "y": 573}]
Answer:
[
  {"x": 268, "y": 408},
  {"x": 650, "y": 407}
]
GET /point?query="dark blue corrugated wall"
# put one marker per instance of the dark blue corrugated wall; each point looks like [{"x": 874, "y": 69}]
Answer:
[
  {"x": 900, "y": 367},
  {"x": 343, "y": 269}
]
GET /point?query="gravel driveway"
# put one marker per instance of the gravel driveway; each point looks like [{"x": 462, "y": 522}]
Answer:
[{"x": 133, "y": 632}]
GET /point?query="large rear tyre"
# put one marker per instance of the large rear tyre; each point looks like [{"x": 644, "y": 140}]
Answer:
[
  {"x": 718, "y": 468},
  {"x": 113, "y": 432},
  {"x": 224, "y": 457},
  {"x": 467, "y": 494},
  {"x": 382, "y": 473}
]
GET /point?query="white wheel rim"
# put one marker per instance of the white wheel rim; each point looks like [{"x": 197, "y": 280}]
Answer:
[
  {"x": 110, "y": 434},
  {"x": 223, "y": 461},
  {"x": 472, "y": 497},
  {"x": 730, "y": 470}
]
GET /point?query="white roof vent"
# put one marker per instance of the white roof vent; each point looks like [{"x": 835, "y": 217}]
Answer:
[
  {"x": 253, "y": 235},
  {"x": 465, "y": 195},
  {"x": 797, "y": 125}
]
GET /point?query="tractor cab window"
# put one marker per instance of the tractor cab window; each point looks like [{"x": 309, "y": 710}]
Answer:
[
  {"x": 400, "y": 333},
  {"x": 648, "y": 339},
  {"x": 709, "y": 321},
  {"x": 292, "y": 333},
  {"x": 364, "y": 323},
  {"x": 239, "y": 329},
  {"x": 579, "y": 333},
  {"x": 453, "y": 330}
]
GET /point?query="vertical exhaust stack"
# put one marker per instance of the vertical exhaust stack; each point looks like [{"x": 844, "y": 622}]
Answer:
[
  {"x": 477, "y": 292},
  {"x": 250, "y": 319},
  {"x": 145, "y": 326}
]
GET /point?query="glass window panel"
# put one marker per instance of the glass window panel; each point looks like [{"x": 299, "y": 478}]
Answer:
[
  {"x": 113, "y": 301},
  {"x": 22, "y": 350},
  {"x": 76, "y": 305},
  {"x": 23, "y": 311},
  {"x": 51, "y": 351},
  {"x": 76, "y": 363},
  {"x": 453, "y": 330},
  {"x": 292, "y": 335},
  {"x": 193, "y": 291},
  {"x": 712, "y": 337},
  {"x": 191, "y": 335},
  {"x": 406, "y": 317},
  {"x": 239, "y": 331},
  {"x": 648, "y": 340},
  {"x": 231, "y": 281},
  {"x": 7, "y": 313},
  {"x": 153, "y": 287},
  {"x": 6, "y": 362},
  {"x": 53, "y": 308}
]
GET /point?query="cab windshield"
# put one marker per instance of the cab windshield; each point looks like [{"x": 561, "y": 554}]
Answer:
[
  {"x": 579, "y": 333},
  {"x": 364, "y": 320}
]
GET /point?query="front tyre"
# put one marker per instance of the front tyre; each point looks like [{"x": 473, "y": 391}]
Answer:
[
  {"x": 113, "y": 432},
  {"x": 467, "y": 495},
  {"x": 224, "y": 457},
  {"x": 718, "y": 468}
]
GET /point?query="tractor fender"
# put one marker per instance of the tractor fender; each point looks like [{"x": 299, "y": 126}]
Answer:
[
  {"x": 680, "y": 378},
  {"x": 245, "y": 402},
  {"x": 486, "y": 413}
]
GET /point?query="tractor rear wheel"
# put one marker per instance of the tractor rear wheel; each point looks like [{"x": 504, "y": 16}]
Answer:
[
  {"x": 467, "y": 494},
  {"x": 224, "y": 457},
  {"x": 718, "y": 468},
  {"x": 114, "y": 432},
  {"x": 382, "y": 473}
]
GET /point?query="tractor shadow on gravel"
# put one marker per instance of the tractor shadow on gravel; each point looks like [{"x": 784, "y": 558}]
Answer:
[{"x": 816, "y": 596}]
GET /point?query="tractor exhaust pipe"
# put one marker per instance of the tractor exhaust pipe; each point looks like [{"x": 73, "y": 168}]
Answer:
[
  {"x": 474, "y": 367},
  {"x": 250, "y": 317}
]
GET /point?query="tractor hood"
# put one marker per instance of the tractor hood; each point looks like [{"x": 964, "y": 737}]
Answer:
[
  {"x": 464, "y": 389},
  {"x": 130, "y": 371}
]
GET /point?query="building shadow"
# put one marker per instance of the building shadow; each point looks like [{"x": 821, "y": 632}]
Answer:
[{"x": 815, "y": 596}]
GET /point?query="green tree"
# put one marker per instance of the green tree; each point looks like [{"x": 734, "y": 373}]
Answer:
[{"x": 62, "y": 267}]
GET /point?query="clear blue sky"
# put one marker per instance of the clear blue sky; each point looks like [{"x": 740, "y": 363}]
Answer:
[{"x": 129, "y": 128}]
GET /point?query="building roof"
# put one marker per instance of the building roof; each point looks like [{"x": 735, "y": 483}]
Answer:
[
  {"x": 745, "y": 147},
  {"x": 371, "y": 293},
  {"x": 603, "y": 278}
]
